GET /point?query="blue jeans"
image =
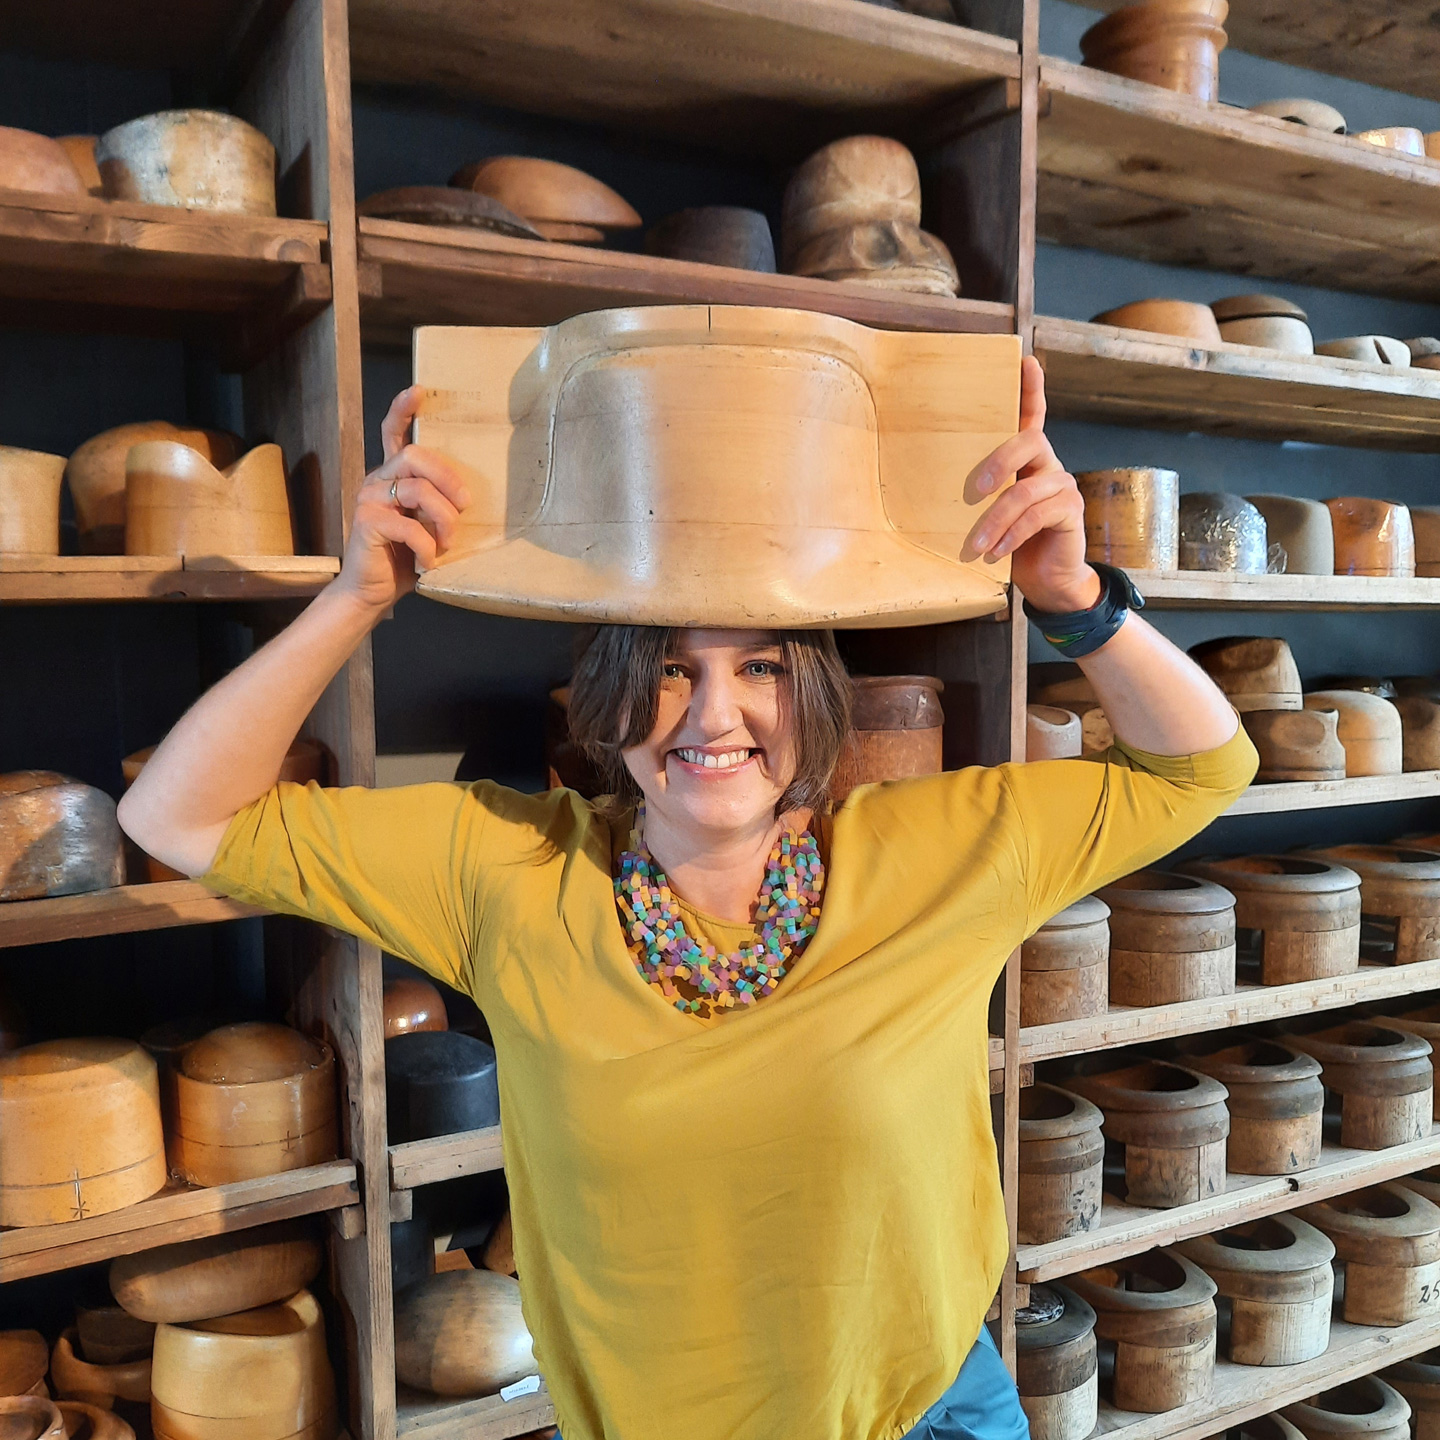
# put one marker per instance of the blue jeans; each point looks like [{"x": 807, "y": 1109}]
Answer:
[{"x": 981, "y": 1404}]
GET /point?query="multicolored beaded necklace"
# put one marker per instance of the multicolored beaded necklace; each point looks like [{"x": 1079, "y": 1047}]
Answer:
[{"x": 786, "y": 916}]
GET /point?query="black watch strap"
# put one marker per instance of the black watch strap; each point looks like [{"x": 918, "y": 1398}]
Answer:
[{"x": 1079, "y": 632}]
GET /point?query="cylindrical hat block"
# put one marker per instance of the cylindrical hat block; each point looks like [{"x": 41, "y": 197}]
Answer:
[
  {"x": 1056, "y": 1370},
  {"x": 850, "y": 182},
  {"x": 261, "y": 1375},
  {"x": 1384, "y": 1079},
  {"x": 1165, "y": 317},
  {"x": 1369, "y": 729},
  {"x": 1222, "y": 532},
  {"x": 1276, "y": 1274},
  {"x": 83, "y": 1421},
  {"x": 102, "y": 1385},
  {"x": 1296, "y": 744},
  {"x": 412, "y": 1004},
  {"x": 439, "y": 1084},
  {"x": 24, "y": 1359},
  {"x": 1267, "y": 321},
  {"x": 1065, "y": 685},
  {"x": 1302, "y": 528},
  {"x": 1064, "y": 965},
  {"x": 1172, "y": 937},
  {"x": 715, "y": 235},
  {"x": 1173, "y": 1124},
  {"x": 1372, "y": 537},
  {"x": 57, "y": 837},
  {"x": 1060, "y": 1155},
  {"x": 1276, "y": 1103},
  {"x": 109, "y": 1335},
  {"x": 81, "y": 1121},
  {"x": 1159, "y": 1310},
  {"x": 1426, "y": 1024},
  {"x": 461, "y": 1333},
  {"x": 1305, "y": 910},
  {"x": 198, "y": 159},
  {"x": 1363, "y": 1409},
  {"x": 253, "y": 1099},
  {"x": 1132, "y": 517},
  {"x": 895, "y": 732},
  {"x": 218, "y": 1275},
  {"x": 1399, "y": 888},
  {"x": 32, "y": 1417},
  {"x": 1255, "y": 672},
  {"x": 1176, "y": 46},
  {"x": 1425, "y": 522},
  {"x": 1052, "y": 733},
  {"x": 1418, "y": 1380},
  {"x": 29, "y": 501},
  {"x": 1419, "y": 732}
]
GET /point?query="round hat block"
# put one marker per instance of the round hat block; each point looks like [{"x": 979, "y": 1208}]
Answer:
[
  {"x": 1418, "y": 1380},
  {"x": 461, "y": 1333},
  {"x": 1176, "y": 45},
  {"x": 1419, "y": 732},
  {"x": 1363, "y": 1409},
  {"x": 1425, "y": 1023},
  {"x": 262, "y": 1375},
  {"x": 1302, "y": 528},
  {"x": 854, "y": 181},
  {"x": 1425, "y": 522},
  {"x": 102, "y": 1385},
  {"x": 24, "y": 1359},
  {"x": 1384, "y": 1078},
  {"x": 84, "y": 1421},
  {"x": 447, "y": 205},
  {"x": 439, "y": 1084},
  {"x": 1369, "y": 350},
  {"x": 198, "y": 159},
  {"x": 108, "y": 1335},
  {"x": 201, "y": 1279},
  {"x": 1369, "y": 729},
  {"x": 1056, "y": 1368},
  {"x": 1264, "y": 320},
  {"x": 1222, "y": 532},
  {"x": 1399, "y": 886},
  {"x": 1296, "y": 744},
  {"x": 561, "y": 202},
  {"x": 1166, "y": 317},
  {"x": 1372, "y": 537},
  {"x": 81, "y": 150},
  {"x": 57, "y": 837},
  {"x": 895, "y": 732},
  {"x": 1255, "y": 672},
  {"x": 1061, "y": 1155},
  {"x": 31, "y": 1417},
  {"x": 81, "y": 1121},
  {"x": 1132, "y": 517},
  {"x": 727, "y": 235},
  {"x": 891, "y": 254},
  {"x": 37, "y": 164},
  {"x": 1065, "y": 685},
  {"x": 412, "y": 1004},
  {"x": 1313, "y": 114},
  {"x": 1052, "y": 733},
  {"x": 252, "y": 1099},
  {"x": 499, "y": 1252},
  {"x": 1407, "y": 139},
  {"x": 29, "y": 501},
  {"x": 1064, "y": 965}
]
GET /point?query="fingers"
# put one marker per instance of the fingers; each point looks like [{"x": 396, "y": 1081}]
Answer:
[
  {"x": 395, "y": 427},
  {"x": 1032, "y": 394},
  {"x": 415, "y": 462},
  {"x": 1000, "y": 521},
  {"x": 426, "y": 500},
  {"x": 403, "y": 530},
  {"x": 1059, "y": 512},
  {"x": 1027, "y": 452}
]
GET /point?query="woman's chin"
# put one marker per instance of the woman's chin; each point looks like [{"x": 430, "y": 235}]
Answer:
[{"x": 729, "y": 803}]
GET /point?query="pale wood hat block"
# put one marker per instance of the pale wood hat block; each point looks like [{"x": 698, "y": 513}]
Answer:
[
  {"x": 1223, "y": 533},
  {"x": 1383, "y": 1076},
  {"x": 1424, "y": 349},
  {"x": 1173, "y": 1124},
  {"x": 252, "y": 1099},
  {"x": 1313, "y": 114},
  {"x": 1425, "y": 1023},
  {"x": 1419, "y": 732},
  {"x": 1363, "y": 1409},
  {"x": 37, "y": 164},
  {"x": 178, "y": 503},
  {"x": 890, "y": 254},
  {"x": 1368, "y": 727},
  {"x": 1418, "y": 1380},
  {"x": 600, "y": 453},
  {"x": 461, "y": 1333},
  {"x": 107, "y": 1335},
  {"x": 859, "y": 179},
  {"x": 1056, "y": 1364},
  {"x": 57, "y": 837},
  {"x": 1184, "y": 318},
  {"x": 1306, "y": 910},
  {"x": 29, "y": 501},
  {"x": 218, "y": 1275},
  {"x": 1159, "y": 1310},
  {"x": 1061, "y": 1155},
  {"x": 258, "y": 1375},
  {"x": 95, "y": 475},
  {"x": 1052, "y": 733},
  {"x": 1425, "y": 524},
  {"x": 1172, "y": 938},
  {"x": 1368, "y": 350},
  {"x": 198, "y": 159},
  {"x": 1296, "y": 744},
  {"x": 24, "y": 1361},
  {"x": 727, "y": 235},
  {"x": 84, "y": 1421},
  {"x": 1407, "y": 139},
  {"x": 1275, "y": 1100},
  {"x": 1372, "y": 537},
  {"x": 1398, "y": 884},
  {"x": 1302, "y": 528},
  {"x": 1276, "y": 1274},
  {"x": 447, "y": 205},
  {"x": 561, "y": 202},
  {"x": 81, "y": 150},
  {"x": 102, "y": 1385},
  {"x": 1066, "y": 685},
  {"x": 1065, "y": 965},
  {"x": 81, "y": 1120},
  {"x": 1175, "y": 45},
  {"x": 410, "y": 1003},
  {"x": 1132, "y": 517},
  {"x": 1267, "y": 321},
  {"x": 1255, "y": 672},
  {"x": 895, "y": 732},
  {"x": 30, "y": 1417}
]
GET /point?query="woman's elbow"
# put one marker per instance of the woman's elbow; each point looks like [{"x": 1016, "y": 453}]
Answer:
[{"x": 191, "y": 853}]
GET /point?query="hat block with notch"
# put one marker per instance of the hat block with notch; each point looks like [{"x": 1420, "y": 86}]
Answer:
[{"x": 717, "y": 466}]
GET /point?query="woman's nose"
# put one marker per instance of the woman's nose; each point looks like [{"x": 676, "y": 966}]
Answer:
[{"x": 715, "y": 705}]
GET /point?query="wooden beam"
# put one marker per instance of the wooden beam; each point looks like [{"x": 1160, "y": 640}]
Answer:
[
  {"x": 50, "y": 579},
  {"x": 1203, "y": 590},
  {"x": 1286, "y": 796},
  {"x": 445, "y": 1157},
  {"x": 121, "y": 911},
  {"x": 423, "y": 1417}
]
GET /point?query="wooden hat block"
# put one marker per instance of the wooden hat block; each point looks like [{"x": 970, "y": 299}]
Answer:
[
  {"x": 1383, "y": 1076},
  {"x": 1419, "y": 732},
  {"x": 727, "y": 235},
  {"x": 1266, "y": 321},
  {"x": 410, "y": 1003},
  {"x": 1418, "y": 1380},
  {"x": 1303, "y": 528},
  {"x": 1296, "y": 744},
  {"x": 1065, "y": 965},
  {"x": 1172, "y": 938},
  {"x": 1132, "y": 517},
  {"x": 198, "y": 159},
  {"x": 107, "y": 1335},
  {"x": 1383, "y": 350},
  {"x": 252, "y": 1099},
  {"x": 1223, "y": 533},
  {"x": 889, "y": 254},
  {"x": 561, "y": 202},
  {"x": 1061, "y": 1155},
  {"x": 600, "y": 453},
  {"x": 29, "y": 501},
  {"x": 178, "y": 503},
  {"x": 1363, "y": 1409},
  {"x": 95, "y": 475},
  {"x": 1369, "y": 729},
  {"x": 439, "y": 1083},
  {"x": 1066, "y": 685},
  {"x": 462, "y": 1333},
  {"x": 849, "y": 182},
  {"x": 1425, "y": 523},
  {"x": 1166, "y": 317},
  {"x": 1255, "y": 672},
  {"x": 83, "y": 1421},
  {"x": 1372, "y": 537},
  {"x": 218, "y": 1275},
  {"x": 446, "y": 205},
  {"x": 1425, "y": 1023},
  {"x": 1056, "y": 1363},
  {"x": 37, "y": 164},
  {"x": 895, "y": 732},
  {"x": 57, "y": 837},
  {"x": 1407, "y": 139},
  {"x": 1313, "y": 114},
  {"x": 259, "y": 1375},
  {"x": 1175, "y": 44},
  {"x": 1400, "y": 886},
  {"x": 81, "y": 150},
  {"x": 101, "y": 1385},
  {"x": 1052, "y": 733},
  {"x": 24, "y": 1360},
  {"x": 30, "y": 1417},
  {"x": 81, "y": 1121}
]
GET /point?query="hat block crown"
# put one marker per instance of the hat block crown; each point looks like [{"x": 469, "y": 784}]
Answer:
[{"x": 703, "y": 465}]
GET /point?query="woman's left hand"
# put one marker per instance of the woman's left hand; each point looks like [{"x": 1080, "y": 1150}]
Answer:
[{"x": 1040, "y": 520}]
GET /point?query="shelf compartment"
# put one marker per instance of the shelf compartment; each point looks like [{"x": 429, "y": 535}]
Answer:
[
  {"x": 1134, "y": 377},
  {"x": 1206, "y": 590},
  {"x": 1288, "y": 795},
  {"x": 177, "y": 1213},
  {"x": 52, "y": 579},
  {"x": 774, "y": 75},
  {"x": 423, "y": 1417},
  {"x": 120, "y": 911},
  {"x": 1141, "y": 171},
  {"x": 1130, "y": 1229},
  {"x": 432, "y": 275}
]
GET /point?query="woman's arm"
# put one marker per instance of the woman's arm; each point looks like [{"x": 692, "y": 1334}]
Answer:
[
  {"x": 1156, "y": 698},
  {"x": 227, "y": 750}
]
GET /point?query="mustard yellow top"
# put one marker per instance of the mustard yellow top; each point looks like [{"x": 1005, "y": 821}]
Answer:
[{"x": 786, "y": 1222}]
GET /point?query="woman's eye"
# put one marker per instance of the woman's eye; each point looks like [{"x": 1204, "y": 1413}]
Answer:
[
  {"x": 674, "y": 672},
  {"x": 762, "y": 669}
]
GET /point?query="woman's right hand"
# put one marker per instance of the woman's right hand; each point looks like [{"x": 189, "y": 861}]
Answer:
[{"x": 405, "y": 515}]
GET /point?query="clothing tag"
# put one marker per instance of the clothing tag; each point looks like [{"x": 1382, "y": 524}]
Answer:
[{"x": 528, "y": 1386}]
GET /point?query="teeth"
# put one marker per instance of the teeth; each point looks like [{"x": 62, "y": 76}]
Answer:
[{"x": 726, "y": 760}]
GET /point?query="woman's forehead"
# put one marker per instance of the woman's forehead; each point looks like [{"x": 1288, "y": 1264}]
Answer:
[{"x": 693, "y": 642}]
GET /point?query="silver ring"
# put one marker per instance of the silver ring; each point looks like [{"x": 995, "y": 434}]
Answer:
[{"x": 395, "y": 492}]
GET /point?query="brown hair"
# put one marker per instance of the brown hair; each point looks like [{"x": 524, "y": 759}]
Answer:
[{"x": 615, "y": 698}]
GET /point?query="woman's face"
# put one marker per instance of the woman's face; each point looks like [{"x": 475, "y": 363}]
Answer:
[{"x": 722, "y": 752}]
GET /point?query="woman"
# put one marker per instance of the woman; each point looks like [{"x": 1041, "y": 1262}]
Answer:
[{"x": 752, "y": 1174}]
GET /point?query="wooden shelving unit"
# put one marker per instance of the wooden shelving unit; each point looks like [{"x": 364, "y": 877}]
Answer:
[
  {"x": 1273, "y": 798},
  {"x": 421, "y": 1417},
  {"x": 54, "y": 579},
  {"x": 120, "y": 911},
  {"x": 1201, "y": 590}
]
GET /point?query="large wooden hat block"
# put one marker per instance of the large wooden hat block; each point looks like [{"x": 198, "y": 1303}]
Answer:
[
  {"x": 57, "y": 837},
  {"x": 462, "y": 1333},
  {"x": 896, "y": 732},
  {"x": 1172, "y": 938},
  {"x": 606, "y": 454},
  {"x": 1384, "y": 1077},
  {"x": 1064, "y": 965},
  {"x": 76, "y": 1378},
  {"x": 1056, "y": 1364},
  {"x": 1061, "y": 1155},
  {"x": 1399, "y": 886},
  {"x": 1296, "y": 744},
  {"x": 29, "y": 501},
  {"x": 1256, "y": 672},
  {"x": 1363, "y": 1409},
  {"x": 1276, "y": 1274},
  {"x": 1418, "y": 1380},
  {"x": 1132, "y": 517},
  {"x": 24, "y": 1359},
  {"x": 1369, "y": 729},
  {"x": 1388, "y": 1237},
  {"x": 31, "y": 1417},
  {"x": 109, "y": 1335}
]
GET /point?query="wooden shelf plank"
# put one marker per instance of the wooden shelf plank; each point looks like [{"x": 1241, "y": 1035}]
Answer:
[
  {"x": 774, "y": 75},
  {"x": 1141, "y": 171},
  {"x": 443, "y": 275},
  {"x": 117, "y": 912},
  {"x": 1250, "y": 1004},
  {"x": 1291, "y": 795},
  {"x": 1129, "y": 1229},
  {"x": 1204, "y": 590},
  {"x": 178, "y": 1213},
  {"x": 446, "y": 1157},
  {"x": 1133, "y": 377},
  {"x": 47, "y": 579},
  {"x": 488, "y": 1418}
]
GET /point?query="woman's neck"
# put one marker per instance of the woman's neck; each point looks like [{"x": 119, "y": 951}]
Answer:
[{"x": 719, "y": 873}]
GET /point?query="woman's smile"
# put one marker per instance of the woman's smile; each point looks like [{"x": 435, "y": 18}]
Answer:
[{"x": 713, "y": 761}]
